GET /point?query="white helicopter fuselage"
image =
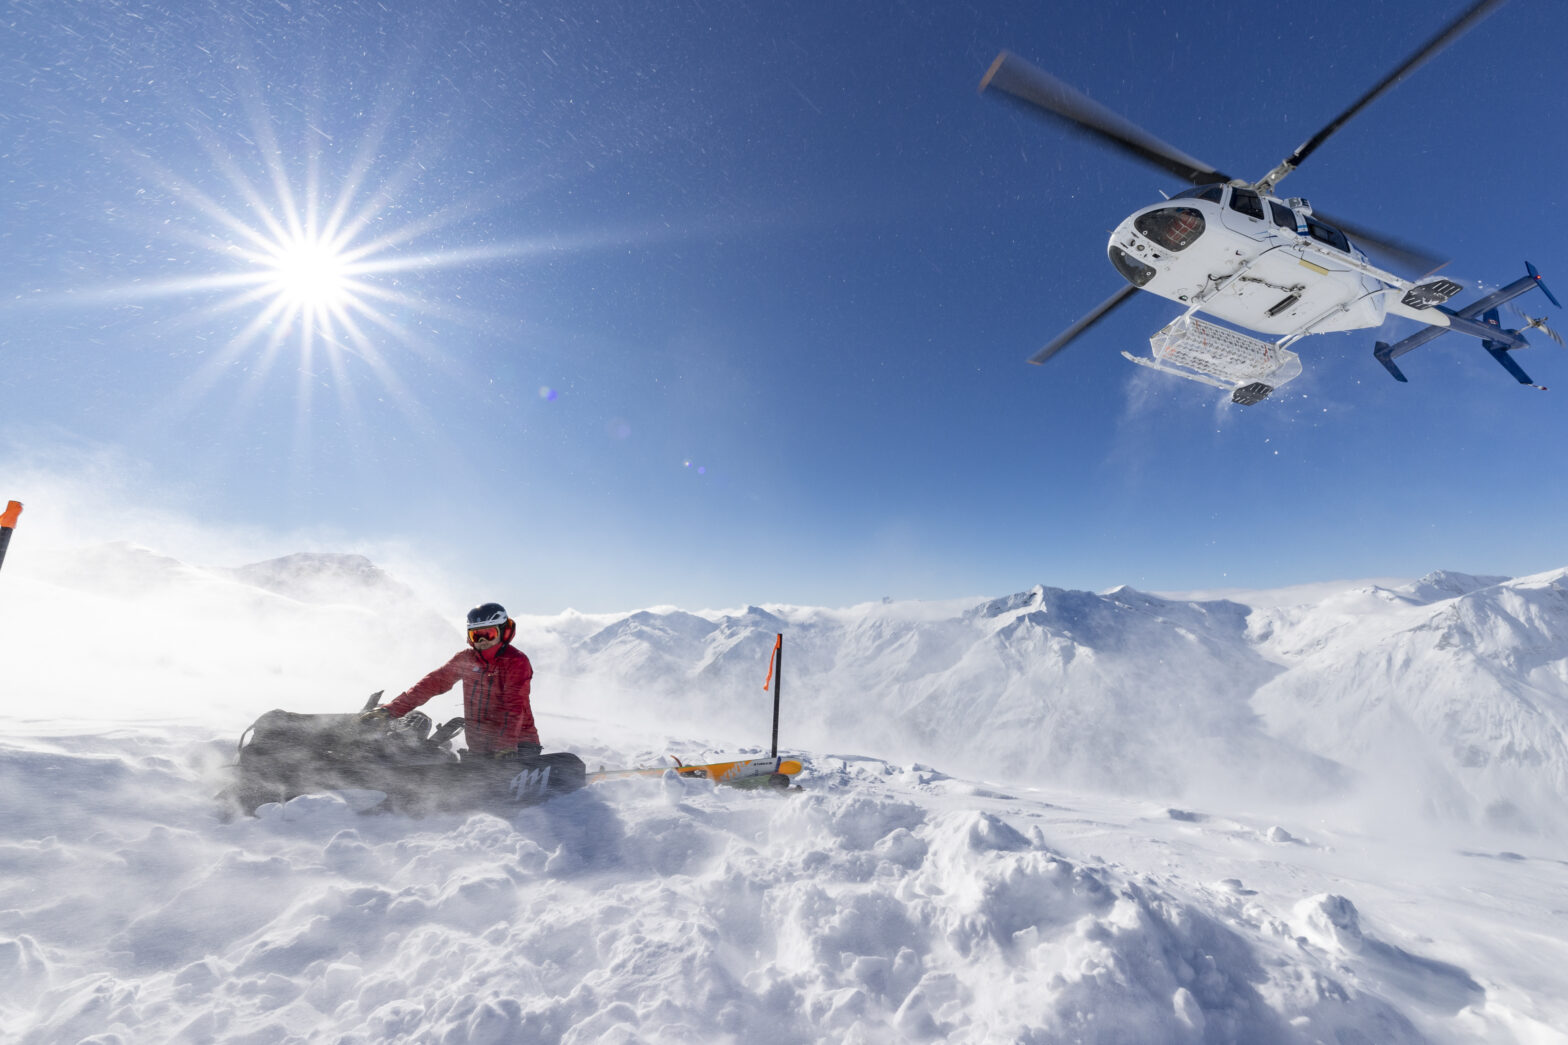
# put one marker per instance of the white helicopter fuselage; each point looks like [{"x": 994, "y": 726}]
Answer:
[
  {"x": 1260, "y": 268},
  {"x": 1258, "y": 262}
]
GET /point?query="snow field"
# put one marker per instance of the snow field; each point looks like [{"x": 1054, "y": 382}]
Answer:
[
  {"x": 1362, "y": 849},
  {"x": 880, "y": 904}
]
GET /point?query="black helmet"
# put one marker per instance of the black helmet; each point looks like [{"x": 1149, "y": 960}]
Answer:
[
  {"x": 491, "y": 615},
  {"x": 487, "y": 615}
]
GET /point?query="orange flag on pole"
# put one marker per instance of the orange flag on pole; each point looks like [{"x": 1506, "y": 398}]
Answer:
[
  {"x": 13, "y": 511},
  {"x": 773, "y": 658}
]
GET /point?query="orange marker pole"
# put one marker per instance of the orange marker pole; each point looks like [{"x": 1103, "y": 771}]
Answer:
[
  {"x": 13, "y": 511},
  {"x": 776, "y": 674}
]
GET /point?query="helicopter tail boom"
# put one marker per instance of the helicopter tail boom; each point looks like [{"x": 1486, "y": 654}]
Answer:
[{"x": 1497, "y": 341}]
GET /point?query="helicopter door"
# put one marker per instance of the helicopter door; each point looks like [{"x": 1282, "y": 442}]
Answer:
[
  {"x": 1244, "y": 212},
  {"x": 1286, "y": 218}
]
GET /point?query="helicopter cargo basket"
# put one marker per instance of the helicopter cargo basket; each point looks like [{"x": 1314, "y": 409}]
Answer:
[{"x": 1198, "y": 350}]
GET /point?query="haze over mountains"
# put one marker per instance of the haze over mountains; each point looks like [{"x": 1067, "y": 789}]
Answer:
[
  {"x": 1450, "y": 692},
  {"x": 1446, "y": 696}
]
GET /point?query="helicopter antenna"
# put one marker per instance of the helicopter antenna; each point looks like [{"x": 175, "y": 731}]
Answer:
[
  {"x": 1536, "y": 324},
  {"x": 1454, "y": 30}
]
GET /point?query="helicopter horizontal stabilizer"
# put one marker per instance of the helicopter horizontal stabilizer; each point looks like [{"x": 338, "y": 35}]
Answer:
[{"x": 1479, "y": 319}]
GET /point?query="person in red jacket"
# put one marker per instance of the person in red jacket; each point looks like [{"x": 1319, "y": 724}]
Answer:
[{"x": 496, "y": 676}]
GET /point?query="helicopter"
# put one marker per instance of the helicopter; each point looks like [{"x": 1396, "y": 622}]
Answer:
[{"x": 1242, "y": 254}]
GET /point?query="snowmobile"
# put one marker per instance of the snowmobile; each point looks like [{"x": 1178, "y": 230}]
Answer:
[{"x": 285, "y": 754}]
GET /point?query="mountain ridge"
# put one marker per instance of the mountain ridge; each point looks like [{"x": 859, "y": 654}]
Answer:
[{"x": 1463, "y": 677}]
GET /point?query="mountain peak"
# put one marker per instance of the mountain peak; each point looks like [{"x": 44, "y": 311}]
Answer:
[
  {"x": 322, "y": 577},
  {"x": 1442, "y": 585}
]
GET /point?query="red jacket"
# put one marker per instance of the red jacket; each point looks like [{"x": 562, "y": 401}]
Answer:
[{"x": 496, "y": 712}]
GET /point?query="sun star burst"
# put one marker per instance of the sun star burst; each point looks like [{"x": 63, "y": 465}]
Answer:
[{"x": 310, "y": 272}]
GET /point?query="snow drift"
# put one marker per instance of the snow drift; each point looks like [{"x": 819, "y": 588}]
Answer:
[{"x": 883, "y": 904}]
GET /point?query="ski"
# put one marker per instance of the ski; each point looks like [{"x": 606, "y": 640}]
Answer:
[
  {"x": 719, "y": 772},
  {"x": 772, "y": 771}
]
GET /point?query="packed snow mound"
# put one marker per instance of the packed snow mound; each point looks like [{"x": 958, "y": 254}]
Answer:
[{"x": 885, "y": 903}]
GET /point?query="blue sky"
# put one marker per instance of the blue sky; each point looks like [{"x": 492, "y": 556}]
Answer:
[{"x": 714, "y": 304}]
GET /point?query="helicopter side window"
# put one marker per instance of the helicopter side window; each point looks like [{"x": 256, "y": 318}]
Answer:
[
  {"x": 1246, "y": 202},
  {"x": 1284, "y": 217},
  {"x": 1203, "y": 192},
  {"x": 1174, "y": 228},
  {"x": 1327, "y": 234}
]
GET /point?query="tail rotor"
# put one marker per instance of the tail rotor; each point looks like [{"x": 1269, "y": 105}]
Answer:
[{"x": 1531, "y": 323}]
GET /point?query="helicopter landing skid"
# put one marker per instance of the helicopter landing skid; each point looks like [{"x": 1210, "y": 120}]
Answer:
[
  {"x": 1246, "y": 367},
  {"x": 1241, "y": 395}
]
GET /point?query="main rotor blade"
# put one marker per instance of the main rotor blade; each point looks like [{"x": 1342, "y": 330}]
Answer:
[
  {"x": 1455, "y": 29},
  {"x": 1105, "y": 308},
  {"x": 1412, "y": 258},
  {"x": 1035, "y": 87}
]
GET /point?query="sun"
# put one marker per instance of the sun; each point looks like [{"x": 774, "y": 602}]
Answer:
[
  {"x": 310, "y": 272},
  {"x": 300, "y": 284},
  {"x": 323, "y": 264}
]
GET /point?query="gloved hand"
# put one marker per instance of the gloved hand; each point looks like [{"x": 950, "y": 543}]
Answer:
[{"x": 376, "y": 716}]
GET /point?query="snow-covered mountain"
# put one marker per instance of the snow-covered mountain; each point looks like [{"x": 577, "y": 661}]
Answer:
[
  {"x": 1458, "y": 704},
  {"x": 324, "y": 577},
  {"x": 1450, "y": 693},
  {"x": 155, "y": 638}
]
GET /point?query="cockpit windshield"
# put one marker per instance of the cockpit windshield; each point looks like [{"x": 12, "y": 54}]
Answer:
[{"x": 1174, "y": 228}]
